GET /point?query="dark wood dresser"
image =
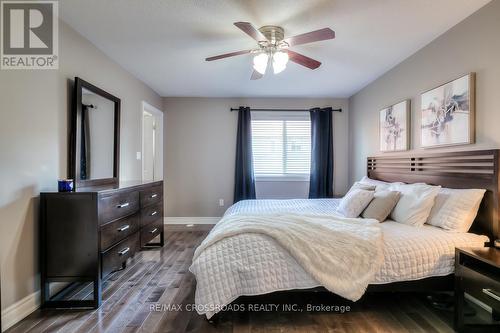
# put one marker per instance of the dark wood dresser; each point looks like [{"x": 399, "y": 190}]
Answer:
[{"x": 89, "y": 233}]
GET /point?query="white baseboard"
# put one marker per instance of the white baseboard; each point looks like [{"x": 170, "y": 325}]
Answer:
[
  {"x": 191, "y": 220},
  {"x": 20, "y": 310}
]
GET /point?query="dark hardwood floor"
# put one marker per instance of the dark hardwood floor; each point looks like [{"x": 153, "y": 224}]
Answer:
[{"x": 162, "y": 277}]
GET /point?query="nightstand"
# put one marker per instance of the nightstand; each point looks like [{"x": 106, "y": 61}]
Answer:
[{"x": 477, "y": 273}]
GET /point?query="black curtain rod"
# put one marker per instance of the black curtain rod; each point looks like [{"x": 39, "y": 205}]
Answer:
[{"x": 251, "y": 109}]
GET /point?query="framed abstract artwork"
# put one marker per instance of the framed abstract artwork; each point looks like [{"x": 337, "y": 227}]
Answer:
[
  {"x": 448, "y": 112},
  {"x": 394, "y": 127}
]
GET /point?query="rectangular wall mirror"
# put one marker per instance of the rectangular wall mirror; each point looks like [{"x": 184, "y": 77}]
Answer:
[{"x": 95, "y": 136}]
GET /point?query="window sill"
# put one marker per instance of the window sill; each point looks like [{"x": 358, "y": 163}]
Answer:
[{"x": 286, "y": 178}]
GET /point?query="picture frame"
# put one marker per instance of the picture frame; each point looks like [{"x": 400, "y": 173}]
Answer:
[
  {"x": 394, "y": 127},
  {"x": 447, "y": 113}
]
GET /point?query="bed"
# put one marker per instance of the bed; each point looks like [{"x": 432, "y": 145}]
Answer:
[{"x": 414, "y": 258}]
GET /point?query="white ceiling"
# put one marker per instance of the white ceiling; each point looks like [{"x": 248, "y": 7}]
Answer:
[{"x": 164, "y": 43}]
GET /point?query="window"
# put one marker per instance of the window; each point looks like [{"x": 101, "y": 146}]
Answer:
[{"x": 281, "y": 144}]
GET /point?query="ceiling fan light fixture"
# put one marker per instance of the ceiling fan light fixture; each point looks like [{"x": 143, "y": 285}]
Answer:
[
  {"x": 280, "y": 59},
  {"x": 273, "y": 46},
  {"x": 260, "y": 62}
]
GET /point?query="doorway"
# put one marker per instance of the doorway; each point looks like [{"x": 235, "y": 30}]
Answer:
[{"x": 152, "y": 143}]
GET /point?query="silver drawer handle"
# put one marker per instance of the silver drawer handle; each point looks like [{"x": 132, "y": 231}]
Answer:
[
  {"x": 126, "y": 204},
  {"x": 492, "y": 293},
  {"x": 153, "y": 231},
  {"x": 154, "y": 213},
  {"x": 125, "y": 227},
  {"x": 124, "y": 251},
  {"x": 154, "y": 196}
]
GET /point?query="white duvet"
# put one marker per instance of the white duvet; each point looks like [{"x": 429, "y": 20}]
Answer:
[
  {"x": 253, "y": 264},
  {"x": 342, "y": 254}
]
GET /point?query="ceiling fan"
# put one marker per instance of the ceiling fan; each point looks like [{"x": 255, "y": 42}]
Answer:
[{"x": 273, "y": 48}]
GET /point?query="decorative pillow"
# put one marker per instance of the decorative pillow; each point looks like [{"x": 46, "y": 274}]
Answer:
[
  {"x": 380, "y": 185},
  {"x": 415, "y": 203},
  {"x": 381, "y": 206},
  {"x": 355, "y": 202},
  {"x": 455, "y": 210},
  {"x": 361, "y": 186}
]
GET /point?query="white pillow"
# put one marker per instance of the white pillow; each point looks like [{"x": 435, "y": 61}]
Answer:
[
  {"x": 415, "y": 203},
  {"x": 455, "y": 210},
  {"x": 380, "y": 185},
  {"x": 361, "y": 186},
  {"x": 354, "y": 202}
]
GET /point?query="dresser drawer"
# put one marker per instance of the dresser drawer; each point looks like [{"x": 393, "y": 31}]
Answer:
[
  {"x": 151, "y": 195},
  {"x": 114, "y": 258},
  {"x": 114, "y": 206},
  {"x": 151, "y": 231},
  {"x": 117, "y": 230},
  {"x": 151, "y": 214},
  {"x": 484, "y": 287}
]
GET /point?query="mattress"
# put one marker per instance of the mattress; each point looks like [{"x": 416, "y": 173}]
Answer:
[
  {"x": 311, "y": 206},
  {"x": 253, "y": 264}
]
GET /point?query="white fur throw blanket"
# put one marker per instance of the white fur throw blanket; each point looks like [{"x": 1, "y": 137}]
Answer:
[{"x": 342, "y": 254}]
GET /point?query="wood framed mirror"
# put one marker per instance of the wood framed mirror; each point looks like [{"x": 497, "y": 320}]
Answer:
[{"x": 94, "y": 136}]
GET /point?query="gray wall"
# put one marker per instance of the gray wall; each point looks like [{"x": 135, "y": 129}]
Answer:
[
  {"x": 200, "y": 142},
  {"x": 33, "y": 146},
  {"x": 282, "y": 190},
  {"x": 471, "y": 46}
]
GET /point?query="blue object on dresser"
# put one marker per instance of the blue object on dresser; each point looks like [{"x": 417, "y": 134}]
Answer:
[{"x": 65, "y": 185}]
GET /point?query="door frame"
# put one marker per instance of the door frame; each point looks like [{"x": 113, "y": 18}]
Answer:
[{"x": 158, "y": 114}]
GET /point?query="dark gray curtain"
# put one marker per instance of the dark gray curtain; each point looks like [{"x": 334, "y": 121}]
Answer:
[
  {"x": 85, "y": 144},
  {"x": 321, "y": 178},
  {"x": 244, "y": 180}
]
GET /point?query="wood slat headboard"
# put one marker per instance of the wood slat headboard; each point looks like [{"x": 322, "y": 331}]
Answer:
[{"x": 462, "y": 169}]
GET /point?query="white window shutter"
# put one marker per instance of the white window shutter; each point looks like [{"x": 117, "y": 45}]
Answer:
[{"x": 281, "y": 145}]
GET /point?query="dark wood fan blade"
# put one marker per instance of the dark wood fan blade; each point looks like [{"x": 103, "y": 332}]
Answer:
[
  {"x": 256, "y": 75},
  {"x": 250, "y": 30},
  {"x": 226, "y": 55},
  {"x": 303, "y": 60},
  {"x": 313, "y": 36}
]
